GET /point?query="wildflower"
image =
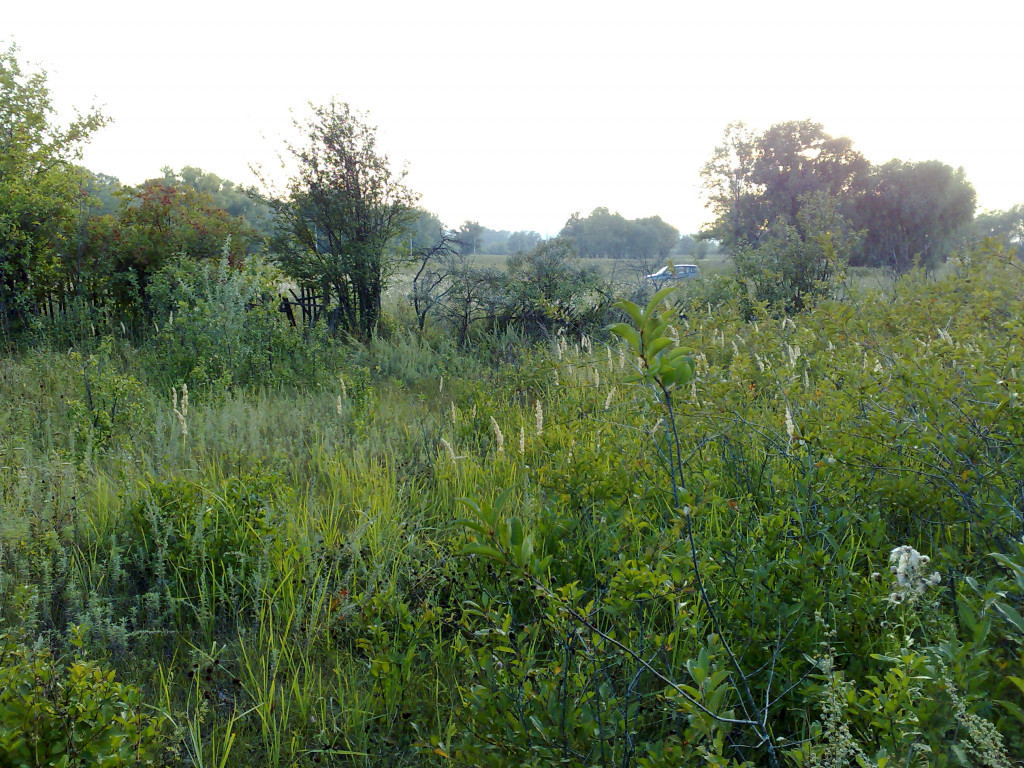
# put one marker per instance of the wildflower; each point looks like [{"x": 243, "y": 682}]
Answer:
[
  {"x": 608, "y": 400},
  {"x": 539, "y": 418},
  {"x": 982, "y": 741},
  {"x": 522, "y": 440},
  {"x": 181, "y": 413},
  {"x": 790, "y": 425},
  {"x": 793, "y": 353},
  {"x": 337, "y": 405},
  {"x": 440, "y": 385},
  {"x": 453, "y": 412},
  {"x": 912, "y": 579},
  {"x": 449, "y": 450},
  {"x": 498, "y": 437},
  {"x": 597, "y": 378},
  {"x": 344, "y": 391}
]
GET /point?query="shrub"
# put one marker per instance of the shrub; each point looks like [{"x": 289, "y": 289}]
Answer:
[
  {"x": 219, "y": 327},
  {"x": 72, "y": 716}
]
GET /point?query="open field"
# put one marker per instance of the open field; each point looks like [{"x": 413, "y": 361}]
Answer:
[{"x": 284, "y": 575}]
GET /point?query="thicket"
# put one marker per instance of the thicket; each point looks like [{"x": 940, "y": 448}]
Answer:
[{"x": 723, "y": 537}]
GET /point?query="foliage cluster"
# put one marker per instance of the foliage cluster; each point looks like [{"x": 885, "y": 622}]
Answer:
[
  {"x": 604, "y": 234},
  {"x": 689, "y": 567},
  {"x": 909, "y": 212},
  {"x": 52, "y": 714},
  {"x": 542, "y": 291}
]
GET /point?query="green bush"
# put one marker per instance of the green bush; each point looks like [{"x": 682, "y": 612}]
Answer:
[
  {"x": 72, "y": 716},
  {"x": 219, "y": 328}
]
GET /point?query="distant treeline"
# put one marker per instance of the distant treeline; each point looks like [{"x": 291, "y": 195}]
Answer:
[{"x": 601, "y": 234}]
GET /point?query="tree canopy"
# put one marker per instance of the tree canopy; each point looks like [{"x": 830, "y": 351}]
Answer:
[
  {"x": 604, "y": 234},
  {"x": 907, "y": 211},
  {"x": 912, "y": 211},
  {"x": 342, "y": 208},
  {"x": 755, "y": 181},
  {"x": 40, "y": 187}
]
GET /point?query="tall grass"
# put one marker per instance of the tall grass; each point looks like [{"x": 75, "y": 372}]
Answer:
[{"x": 288, "y": 583}]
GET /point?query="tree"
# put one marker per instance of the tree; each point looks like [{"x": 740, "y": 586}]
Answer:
[
  {"x": 156, "y": 221},
  {"x": 469, "y": 236},
  {"x": 1006, "y": 226},
  {"x": 651, "y": 237},
  {"x": 912, "y": 211},
  {"x": 40, "y": 188},
  {"x": 604, "y": 234},
  {"x": 522, "y": 241},
  {"x": 795, "y": 262},
  {"x": 549, "y": 287},
  {"x": 438, "y": 260},
  {"x": 241, "y": 202},
  {"x": 341, "y": 210},
  {"x": 754, "y": 182}
]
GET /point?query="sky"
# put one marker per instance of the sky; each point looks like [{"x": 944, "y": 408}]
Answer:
[{"x": 517, "y": 115}]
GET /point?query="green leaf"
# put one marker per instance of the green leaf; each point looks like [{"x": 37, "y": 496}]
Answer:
[
  {"x": 1011, "y": 615},
  {"x": 473, "y": 525},
  {"x": 483, "y": 550},
  {"x": 526, "y": 551},
  {"x": 632, "y": 310},
  {"x": 627, "y": 332},
  {"x": 499, "y": 503},
  {"x": 656, "y": 346},
  {"x": 659, "y": 297},
  {"x": 515, "y": 532}
]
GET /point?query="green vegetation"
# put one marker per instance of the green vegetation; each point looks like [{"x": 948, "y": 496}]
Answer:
[
  {"x": 520, "y": 514},
  {"x": 693, "y": 567},
  {"x": 907, "y": 212},
  {"x": 603, "y": 234}
]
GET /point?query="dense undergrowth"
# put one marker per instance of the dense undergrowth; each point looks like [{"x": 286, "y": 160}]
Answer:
[{"x": 284, "y": 575}]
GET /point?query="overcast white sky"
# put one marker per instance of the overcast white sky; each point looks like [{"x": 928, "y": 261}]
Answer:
[{"x": 517, "y": 114}]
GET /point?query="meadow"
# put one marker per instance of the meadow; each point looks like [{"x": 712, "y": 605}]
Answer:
[{"x": 735, "y": 539}]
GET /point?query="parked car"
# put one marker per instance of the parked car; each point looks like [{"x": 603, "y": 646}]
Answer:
[{"x": 675, "y": 272}]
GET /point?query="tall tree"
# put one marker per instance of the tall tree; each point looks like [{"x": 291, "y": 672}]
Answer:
[
  {"x": 1006, "y": 226},
  {"x": 470, "y": 237},
  {"x": 754, "y": 182},
  {"x": 40, "y": 188},
  {"x": 341, "y": 209},
  {"x": 913, "y": 211}
]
